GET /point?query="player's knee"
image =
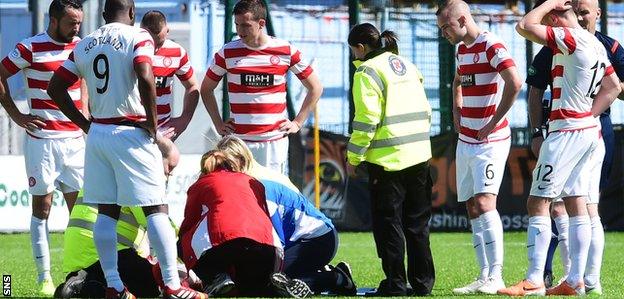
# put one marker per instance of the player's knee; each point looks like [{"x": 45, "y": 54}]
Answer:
[
  {"x": 41, "y": 205},
  {"x": 576, "y": 206},
  {"x": 538, "y": 206},
  {"x": 592, "y": 210},
  {"x": 484, "y": 203}
]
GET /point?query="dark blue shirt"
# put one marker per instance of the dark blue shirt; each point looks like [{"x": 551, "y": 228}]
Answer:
[{"x": 539, "y": 72}]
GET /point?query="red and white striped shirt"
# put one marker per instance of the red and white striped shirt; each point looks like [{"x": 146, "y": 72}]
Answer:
[
  {"x": 38, "y": 57},
  {"x": 479, "y": 67},
  {"x": 580, "y": 62},
  {"x": 257, "y": 85},
  {"x": 105, "y": 59},
  {"x": 171, "y": 59}
]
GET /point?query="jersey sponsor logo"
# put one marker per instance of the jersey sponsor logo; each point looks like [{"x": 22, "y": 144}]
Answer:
[
  {"x": 468, "y": 80},
  {"x": 274, "y": 60},
  {"x": 532, "y": 71},
  {"x": 161, "y": 81},
  {"x": 32, "y": 182},
  {"x": 15, "y": 54},
  {"x": 397, "y": 65},
  {"x": 167, "y": 61},
  {"x": 475, "y": 58},
  {"x": 257, "y": 80}
]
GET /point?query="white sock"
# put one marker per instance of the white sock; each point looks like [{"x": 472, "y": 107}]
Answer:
[
  {"x": 40, "y": 247},
  {"x": 105, "y": 238},
  {"x": 477, "y": 244},
  {"x": 162, "y": 238},
  {"x": 538, "y": 232},
  {"x": 596, "y": 248},
  {"x": 563, "y": 227},
  {"x": 493, "y": 242},
  {"x": 580, "y": 237}
]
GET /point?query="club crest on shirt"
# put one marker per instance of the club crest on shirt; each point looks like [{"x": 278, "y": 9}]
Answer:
[
  {"x": 15, "y": 54},
  {"x": 501, "y": 53},
  {"x": 397, "y": 65},
  {"x": 274, "y": 60},
  {"x": 32, "y": 182},
  {"x": 475, "y": 58},
  {"x": 167, "y": 61}
]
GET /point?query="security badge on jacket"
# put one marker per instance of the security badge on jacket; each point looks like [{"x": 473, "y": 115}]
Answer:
[{"x": 397, "y": 65}]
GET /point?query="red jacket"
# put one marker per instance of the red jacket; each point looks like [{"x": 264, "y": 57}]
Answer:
[{"x": 223, "y": 206}]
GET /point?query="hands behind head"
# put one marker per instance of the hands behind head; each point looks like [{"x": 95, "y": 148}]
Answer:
[{"x": 562, "y": 5}]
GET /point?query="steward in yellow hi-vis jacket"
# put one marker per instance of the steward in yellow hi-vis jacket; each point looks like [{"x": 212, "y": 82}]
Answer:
[
  {"x": 391, "y": 137},
  {"x": 80, "y": 258}
]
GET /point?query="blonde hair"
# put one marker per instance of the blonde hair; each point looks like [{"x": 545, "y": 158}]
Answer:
[
  {"x": 215, "y": 159},
  {"x": 236, "y": 149}
]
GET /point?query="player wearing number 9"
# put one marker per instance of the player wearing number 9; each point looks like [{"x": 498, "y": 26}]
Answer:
[{"x": 123, "y": 166}]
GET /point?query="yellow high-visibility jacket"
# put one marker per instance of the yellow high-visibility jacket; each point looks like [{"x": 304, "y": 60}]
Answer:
[
  {"x": 79, "y": 248},
  {"x": 392, "y": 115}
]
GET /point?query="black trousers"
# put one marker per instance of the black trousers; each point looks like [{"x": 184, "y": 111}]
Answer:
[
  {"x": 249, "y": 264},
  {"x": 401, "y": 209},
  {"x": 306, "y": 258},
  {"x": 135, "y": 272}
]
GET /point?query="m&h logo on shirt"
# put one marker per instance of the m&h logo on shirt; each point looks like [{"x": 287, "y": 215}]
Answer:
[
  {"x": 161, "y": 81},
  {"x": 257, "y": 80},
  {"x": 468, "y": 80}
]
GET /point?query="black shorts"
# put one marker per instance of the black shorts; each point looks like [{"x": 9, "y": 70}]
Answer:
[{"x": 135, "y": 272}]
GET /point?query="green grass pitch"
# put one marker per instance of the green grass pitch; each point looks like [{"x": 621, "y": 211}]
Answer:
[{"x": 453, "y": 257}]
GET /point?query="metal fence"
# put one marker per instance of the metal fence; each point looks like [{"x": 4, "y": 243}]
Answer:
[{"x": 320, "y": 31}]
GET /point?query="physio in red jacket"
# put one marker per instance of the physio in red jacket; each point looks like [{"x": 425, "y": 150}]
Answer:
[{"x": 226, "y": 229}]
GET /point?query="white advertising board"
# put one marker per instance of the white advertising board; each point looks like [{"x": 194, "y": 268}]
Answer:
[{"x": 15, "y": 201}]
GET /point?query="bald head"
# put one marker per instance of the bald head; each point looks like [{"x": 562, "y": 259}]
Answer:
[
  {"x": 456, "y": 22},
  {"x": 119, "y": 11},
  {"x": 588, "y": 13},
  {"x": 589, "y": 3}
]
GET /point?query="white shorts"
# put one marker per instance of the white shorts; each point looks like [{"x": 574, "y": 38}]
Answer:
[
  {"x": 596, "y": 172},
  {"x": 480, "y": 167},
  {"x": 123, "y": 166},
  {"x": 564, "y": 164},
  {"x": 54, "y": 163},
  {"x": 271, "y": 154}
]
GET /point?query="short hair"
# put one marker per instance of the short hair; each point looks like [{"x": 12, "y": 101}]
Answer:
[
  {"x": 153, "y": 21},
  {"x": 115, "y": 7},
  {"x": 441, "y": 7},
  {"x": 455, "y": 5},
  {"x": 255, "y": 7},
  {"x": 58, "y": 7}
]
